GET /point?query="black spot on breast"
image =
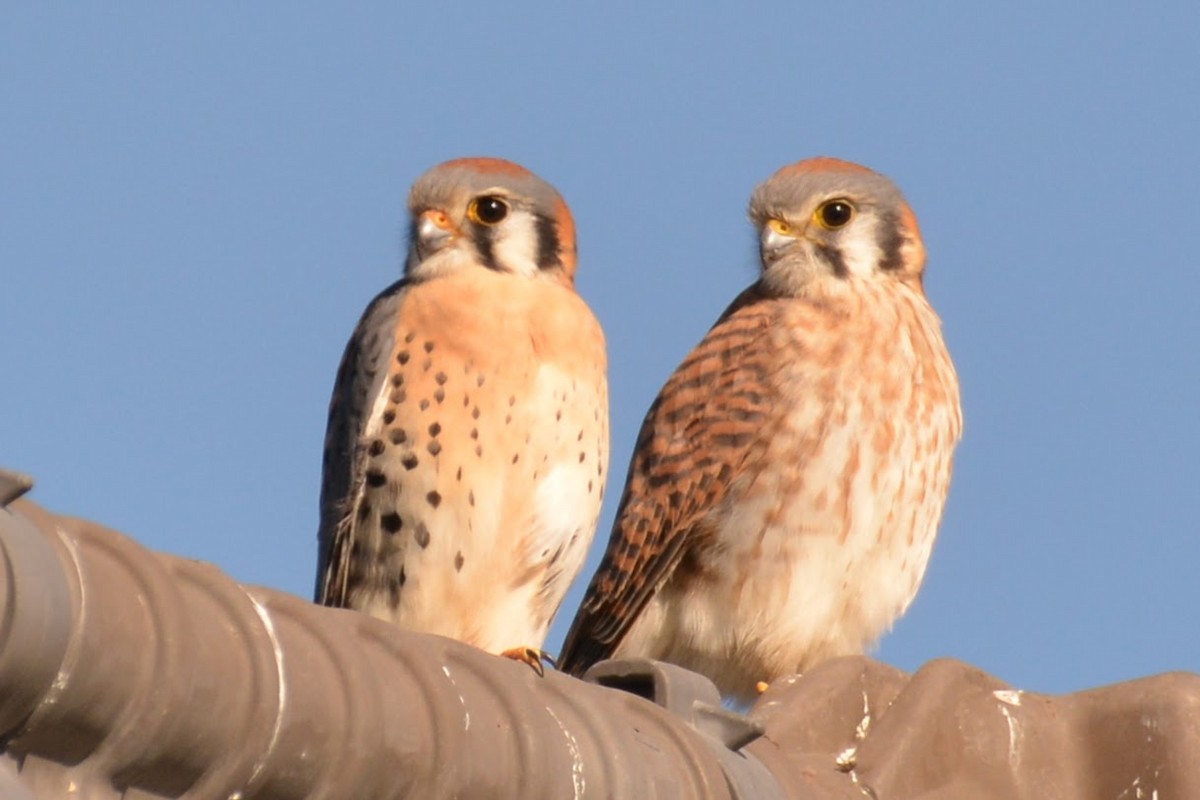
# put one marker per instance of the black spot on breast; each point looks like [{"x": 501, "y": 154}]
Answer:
[
  {"x": 458, "y": 561},
  {"x": 426, "y": 364},
  {"x": 402, "y": 357},
  {"x": 582, "y": 456},
  {"x": 589, "y": 487},
  {"x": 429, "y": 347},
  {"x": 479, "y": 450},
  {"x": 424, "y": 404},
  {"x": 391, "y": 522},
  {"x": 471, "y": 498},
  {"x": 398, "y": 396},
  {"x": 434, "y": 448},
  {"x": 398, "y": 379},
  {"x": 409, "y": 461},
  {"x": 479, "y": 379},
  {"x": 435, "y": 428},
  {"x": 364, "y": 511},
  {"x": 377, "y": 447},
  {"x": 389, "y": 416},
  {"x": 421, "y": 535},
  {"x": 375, "y": 478},
  {"x": 439, "y": 394},
  {"x": 512, "y": 400},
  {"x": 474, "y": 433},
  {"x": 458, "y": 477},
  {"x": 408, "y": 337},
  {"x": 516, "y": 457},
  {"x": 507, "y": 418},
  {"x": 440, "y": 378},
  {"x": 398, "y": 436},
  {"x": 475, "y": 412},
  {"x": 434, "y": 499}
]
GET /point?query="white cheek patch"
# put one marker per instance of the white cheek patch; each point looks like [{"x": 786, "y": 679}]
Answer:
[
  {"x": 515, "y": 244},
  {"x": 860, "y": 249}
]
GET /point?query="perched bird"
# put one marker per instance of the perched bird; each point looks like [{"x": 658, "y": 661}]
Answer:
[
  {"x": 467, "y": 444},
  {"x": 788, "y": 481}
]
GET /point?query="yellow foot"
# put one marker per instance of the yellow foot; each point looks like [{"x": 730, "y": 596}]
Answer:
[
  {"x": 761, "y": 686},
  {"x": 531, "y": 656}
]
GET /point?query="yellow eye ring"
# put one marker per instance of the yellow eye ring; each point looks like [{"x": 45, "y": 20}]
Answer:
[
  {"x": 834, "y": 214},
  {"x": 781, "y": 227},
  {"x": 487, "y": 210}
]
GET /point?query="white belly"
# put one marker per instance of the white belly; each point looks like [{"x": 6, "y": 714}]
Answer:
[{"x": 816, "y": 555}]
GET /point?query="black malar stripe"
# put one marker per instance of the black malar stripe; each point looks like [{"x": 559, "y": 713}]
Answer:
[{"x": 547, "y": 242}]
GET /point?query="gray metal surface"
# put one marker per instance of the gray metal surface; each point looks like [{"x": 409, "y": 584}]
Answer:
[
  {"x": 125, "y": 674},
  {"x": 13, "y": 485},
  {"x": 694, "y": 699},
  {"x": 125, "y": 671}
]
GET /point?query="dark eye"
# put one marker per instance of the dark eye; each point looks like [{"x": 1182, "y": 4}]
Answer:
[
  {"x": 834, "y": 213},
  {"x": 488, "y": 210}
]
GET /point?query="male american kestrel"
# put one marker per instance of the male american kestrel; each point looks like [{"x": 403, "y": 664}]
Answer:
[
  {"x": 789, "y": 479},
  {"x": 467, "y": 444}
]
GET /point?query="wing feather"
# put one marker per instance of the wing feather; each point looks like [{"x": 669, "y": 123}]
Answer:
[
  {"x": 360, "y": 378},
  {"x": 692, "y": 447}
]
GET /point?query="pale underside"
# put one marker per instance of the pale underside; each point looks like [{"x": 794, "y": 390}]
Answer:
[
  {"x": 482, "y": 460},
  {"x": 822, "y": 540}
]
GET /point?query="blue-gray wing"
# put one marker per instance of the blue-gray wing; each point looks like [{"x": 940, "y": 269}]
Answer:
[{"x": 360, "y": 379}]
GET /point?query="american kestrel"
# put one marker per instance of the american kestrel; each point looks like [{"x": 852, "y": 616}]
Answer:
[
  {"x": 467, "y": 445},
  {"x": 789, "y": 479}
]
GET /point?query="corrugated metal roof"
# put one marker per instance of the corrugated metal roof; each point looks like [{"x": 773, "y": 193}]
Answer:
[{"x": 128, "y": 674}]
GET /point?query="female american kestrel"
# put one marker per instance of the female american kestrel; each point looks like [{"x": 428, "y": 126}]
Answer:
[
  {"x": 467, "y": 443},
  {"x": 789, "y": 479}
]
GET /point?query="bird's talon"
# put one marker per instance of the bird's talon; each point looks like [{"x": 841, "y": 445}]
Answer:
[{"x": 531, "y": 656}]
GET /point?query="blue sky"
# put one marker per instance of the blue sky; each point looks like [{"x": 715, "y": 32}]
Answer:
[{"x": 196, "y": 202}]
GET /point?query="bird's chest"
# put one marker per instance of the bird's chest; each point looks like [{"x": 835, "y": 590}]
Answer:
[
  {"x": 482, "y": 463},
  {"x": 833, "y": 521}
]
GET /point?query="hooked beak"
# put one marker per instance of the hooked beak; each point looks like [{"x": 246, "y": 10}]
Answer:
[
  {"x": 432, "y": 231},
  {"x": 772, "y": 243}
]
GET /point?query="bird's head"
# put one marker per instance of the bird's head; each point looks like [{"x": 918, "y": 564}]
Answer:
[
  {"x": 825, "y": 220},
  {"x": 488, "y": 213}
]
